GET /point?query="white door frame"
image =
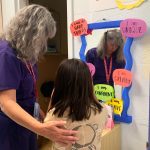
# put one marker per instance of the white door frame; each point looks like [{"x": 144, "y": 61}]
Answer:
[{"x": 70, "y": 18}]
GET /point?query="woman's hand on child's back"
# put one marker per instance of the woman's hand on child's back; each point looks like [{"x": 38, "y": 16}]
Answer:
[{"x": 55, "y": 131}]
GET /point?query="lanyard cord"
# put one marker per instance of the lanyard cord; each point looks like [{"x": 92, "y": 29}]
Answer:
[
  {"x": 30, "y": 69},
  {"x": 108, "y": 73}
]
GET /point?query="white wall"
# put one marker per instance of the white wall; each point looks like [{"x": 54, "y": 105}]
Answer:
[
  {"x": 134, "y": 135},
  {"x": 10, "y": 7},
  {"x": 8, "y": 11}
]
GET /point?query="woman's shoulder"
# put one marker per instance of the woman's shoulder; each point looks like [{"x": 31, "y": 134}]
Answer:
[
  {"x": 92, "y": 51},
  {"x": 91, "y": 55},
  {"x": 8, "y": 54},
  {"x": 5, "y": 48}
]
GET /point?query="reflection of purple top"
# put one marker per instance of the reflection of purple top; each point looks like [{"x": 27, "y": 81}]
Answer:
[
  {"x": 99, "y": 76},
  {"x": 14, "y": 75}
]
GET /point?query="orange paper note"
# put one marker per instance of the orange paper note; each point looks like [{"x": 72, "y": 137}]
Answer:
[
  {"x": 122, "y": 77},
  {"x": 79, "y": 27}
]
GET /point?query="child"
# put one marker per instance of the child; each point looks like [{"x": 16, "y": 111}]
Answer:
[{"x": 73, "y": 100}]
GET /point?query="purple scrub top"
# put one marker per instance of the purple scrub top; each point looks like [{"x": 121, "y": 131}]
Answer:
[
  {"x": 100, "y": 76},
  {"x": 15, "y": 75}
]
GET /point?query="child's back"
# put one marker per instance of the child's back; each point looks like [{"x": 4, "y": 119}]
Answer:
[
  {"x": 90, "y": 130},
  {"x": 73, "y": 100}
]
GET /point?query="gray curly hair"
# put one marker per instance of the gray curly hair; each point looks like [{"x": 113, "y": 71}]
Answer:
[
  {"x": 117, "y": 38},
  {"x": 29, "y": 31}
]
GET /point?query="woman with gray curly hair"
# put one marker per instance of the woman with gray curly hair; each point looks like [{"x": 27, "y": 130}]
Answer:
[{"x": 21, "y": 45}]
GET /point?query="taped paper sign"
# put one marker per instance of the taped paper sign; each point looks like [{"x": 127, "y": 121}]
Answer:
[
  {"x": 104, "y": 92},
  {"x": 91, "y": 68},
  {"x": 79, "y": 27},
  {"x": 122, "y": 77},
  {"x": 133, "y": 28},
  {"x": 128, "y": 4},
  {"x": 117, "y": 105}
]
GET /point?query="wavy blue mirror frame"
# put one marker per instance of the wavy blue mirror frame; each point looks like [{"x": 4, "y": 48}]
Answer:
[{"x": 129, "y": 62}]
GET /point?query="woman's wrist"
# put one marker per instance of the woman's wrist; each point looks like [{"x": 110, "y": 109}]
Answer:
[{"x": 38, "y": 126}]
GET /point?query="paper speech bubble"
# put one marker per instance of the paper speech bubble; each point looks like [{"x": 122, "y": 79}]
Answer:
[
  {"x": 128, "y": 4},
  {"x": 122, "y": 77},
  {"x": 133, "y": 28},
  {"x": 79, "y": 27},
  {"x": 117, "y": 105},
  {"x": 91, "y": 68},
  {"x": 104, "y": 92}
]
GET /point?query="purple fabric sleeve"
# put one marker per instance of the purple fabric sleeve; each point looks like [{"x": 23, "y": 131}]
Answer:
[
  {"x": 10, "y": 73},
  {"x": 91, "y": 55}
]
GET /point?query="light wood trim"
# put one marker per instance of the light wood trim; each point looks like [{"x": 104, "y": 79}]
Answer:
[{"x": 111, "y": 140}]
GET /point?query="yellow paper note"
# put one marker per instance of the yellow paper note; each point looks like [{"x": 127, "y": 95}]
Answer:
[
  {"x": 117, "y": 105},
  {"x": 128, "y": 4}
]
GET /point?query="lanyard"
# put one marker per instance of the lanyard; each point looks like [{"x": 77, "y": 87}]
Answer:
[
  {"x": 108, "y": 73},
  {"x": 30, "y": 68}
]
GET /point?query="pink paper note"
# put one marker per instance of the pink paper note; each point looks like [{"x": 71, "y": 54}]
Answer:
[{"x": 133, "y": 28}]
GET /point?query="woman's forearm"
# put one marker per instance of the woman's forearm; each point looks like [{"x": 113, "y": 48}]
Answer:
[
  {"x": 53, "y": 130},
  {"x": 20, "y": 116}
]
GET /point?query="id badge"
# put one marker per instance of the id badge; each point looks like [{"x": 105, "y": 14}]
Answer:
[{"x": 36, "y": 111}]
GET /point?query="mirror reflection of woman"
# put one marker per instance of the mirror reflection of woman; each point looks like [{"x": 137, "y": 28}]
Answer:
[{"x": 107, "y": 57}]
